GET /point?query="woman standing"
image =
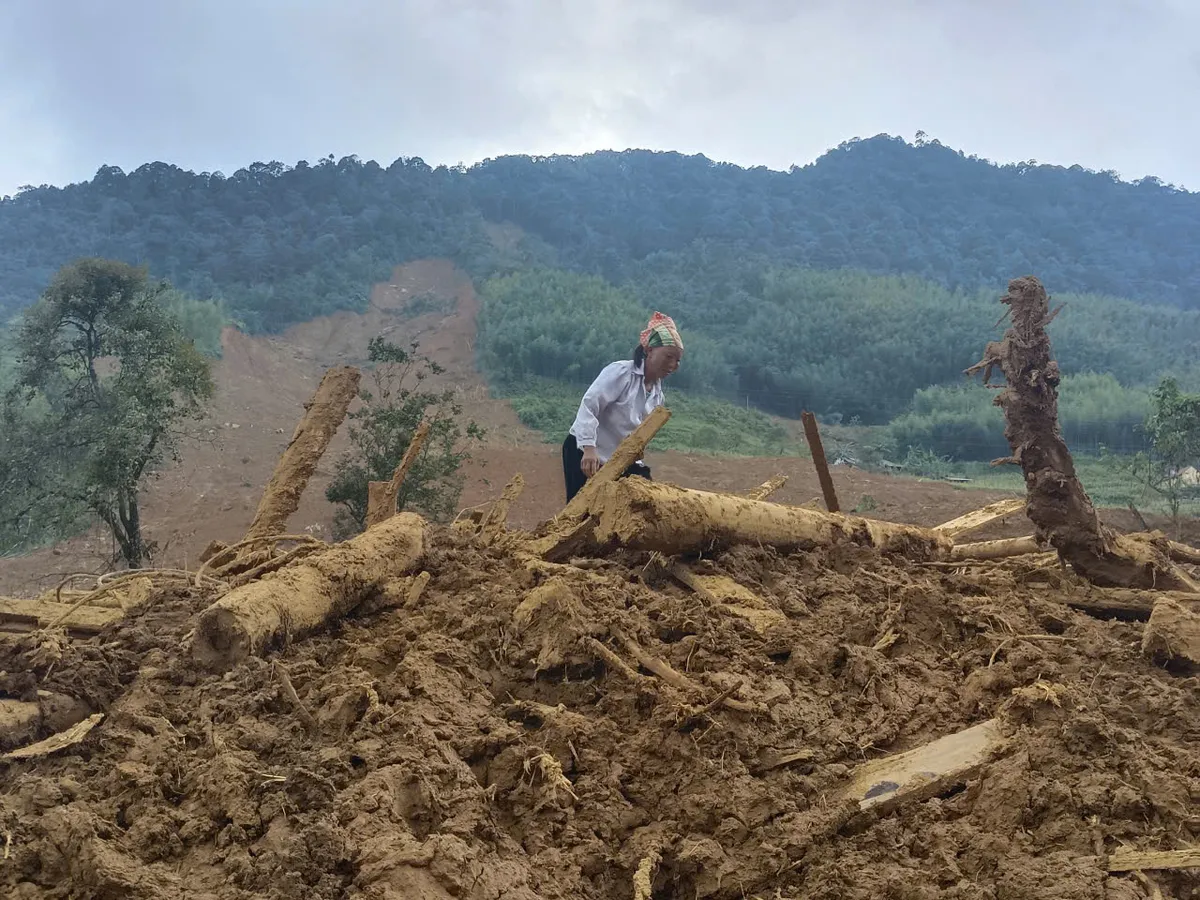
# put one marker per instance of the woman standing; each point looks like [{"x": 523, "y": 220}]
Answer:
[{"x": 622, "y": 395}]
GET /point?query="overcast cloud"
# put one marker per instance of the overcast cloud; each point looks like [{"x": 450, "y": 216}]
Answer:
[{"x": 217, "y": 84}]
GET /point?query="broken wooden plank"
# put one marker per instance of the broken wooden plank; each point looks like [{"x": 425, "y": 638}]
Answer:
[
  {"x": 56, "y": 742},
  {"x": 1148, "y": 860},
  {"x": 976, "y": 519},
  {"x": 27, "y": 615},
  {"x": 1173, "y": 633},
  {"x": 925, "y": 771},
  {"x": 813, "y": 434}
]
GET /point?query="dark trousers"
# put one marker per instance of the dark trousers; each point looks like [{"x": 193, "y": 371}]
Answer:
[{"x": 573, "y": 473}]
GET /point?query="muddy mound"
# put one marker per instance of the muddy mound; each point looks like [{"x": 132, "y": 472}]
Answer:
[{"x": 533, "y": 729}]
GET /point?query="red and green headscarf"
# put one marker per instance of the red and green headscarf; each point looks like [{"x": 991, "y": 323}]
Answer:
[{"x": 661, "y": 332}]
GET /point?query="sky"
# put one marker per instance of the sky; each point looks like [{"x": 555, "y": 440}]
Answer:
[{"x": 217, "y": 84}]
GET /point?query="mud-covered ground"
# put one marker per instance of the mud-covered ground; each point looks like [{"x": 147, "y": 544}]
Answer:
[{"x": 482, "y": 745}]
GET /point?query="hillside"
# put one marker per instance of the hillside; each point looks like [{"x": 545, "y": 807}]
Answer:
[
  {"x": 263, "y": 382},
  {"x": 283, "y": 244}
]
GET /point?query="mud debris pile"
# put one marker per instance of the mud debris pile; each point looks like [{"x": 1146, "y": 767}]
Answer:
[
  {"x": 531, "y": 729},
  {"x": 662, "y": 693}
]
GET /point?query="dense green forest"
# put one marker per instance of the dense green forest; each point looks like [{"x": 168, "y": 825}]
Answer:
[
  {"x": 281, "y": 243},
  {"x": 859, "y": 286}
]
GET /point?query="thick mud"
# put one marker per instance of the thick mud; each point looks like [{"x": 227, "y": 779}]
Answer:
[{"x": 498, "y": 738}]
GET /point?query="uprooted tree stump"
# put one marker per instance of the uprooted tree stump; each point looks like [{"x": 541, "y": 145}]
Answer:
[
  {"x": 304, "y": 597},
  {"x": 1057, "y": 504}
]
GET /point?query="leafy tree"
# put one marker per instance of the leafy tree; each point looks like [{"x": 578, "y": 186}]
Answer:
[
  {"x": 1173, "y": 434},
  {"x": 380, "y": 432},
  {"x": 104, "y": 381}
]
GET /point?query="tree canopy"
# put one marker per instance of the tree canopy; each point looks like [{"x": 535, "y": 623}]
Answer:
[
  {"x": 283, "y": 243},
  {"x": 103, "y": 379}
]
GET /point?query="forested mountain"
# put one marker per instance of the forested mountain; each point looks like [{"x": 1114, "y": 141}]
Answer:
[{"x": 280, "y": 244}]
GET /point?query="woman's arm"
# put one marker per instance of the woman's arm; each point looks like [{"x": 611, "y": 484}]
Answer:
[{"x": 596, "y": 399}]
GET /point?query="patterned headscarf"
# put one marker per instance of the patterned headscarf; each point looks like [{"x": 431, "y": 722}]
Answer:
[{"x": 661, "y": 332}]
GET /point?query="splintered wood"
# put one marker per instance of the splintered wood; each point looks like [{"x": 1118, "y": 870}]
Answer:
[
  {"x": 723, "y": 593},
  {"x": 926, "y": 771},
  {"x": 323, "y": 416},
  {"x": 382, "y": 496}
]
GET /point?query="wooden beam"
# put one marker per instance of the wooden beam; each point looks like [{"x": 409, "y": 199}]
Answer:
[
  {"x": 1125, "y": 604},
  {"x": 627, "y": 453},
  {"x": 925, "y": 771},
  {"x": 28, "y": 615},
  {"x": 813, "y": 434},
  {"x": 976, "y": 519},
  {"x": 1148, "y": 860}
]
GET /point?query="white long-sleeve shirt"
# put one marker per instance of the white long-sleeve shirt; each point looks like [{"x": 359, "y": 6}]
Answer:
[{"x": 614, "y": 406}]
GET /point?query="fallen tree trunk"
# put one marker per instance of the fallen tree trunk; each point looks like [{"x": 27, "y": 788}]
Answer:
[
  {"x": 323, "y": 416},
  {"x": 1057, "y": 505},
  {"x": 656, "y": 516},
  {"x": 303, "y": 598}
]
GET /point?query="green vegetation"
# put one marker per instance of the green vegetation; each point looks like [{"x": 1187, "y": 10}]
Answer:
[
  {"x": 380, "y": 432},
  {"x": 961, "y": 422},
  {"x": 104, "y": 379},
  {"x": 282, "y": 244},
  {"x": 1167, "y": 466},
  {"x": 698, "y": 424}
]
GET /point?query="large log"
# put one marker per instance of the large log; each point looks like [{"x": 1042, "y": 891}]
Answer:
[
  {"x": 306, "y": 597},
  {"x": 323, "y": 416},
  {"x": 1057, "y": 505},
  {"x": 657, "y": 516}
]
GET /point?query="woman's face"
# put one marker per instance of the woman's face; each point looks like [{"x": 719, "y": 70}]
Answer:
[{"x": 662, "y": 361}]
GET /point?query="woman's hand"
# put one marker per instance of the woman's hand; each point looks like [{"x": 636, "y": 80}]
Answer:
[{"x": 591, "y": 462}]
